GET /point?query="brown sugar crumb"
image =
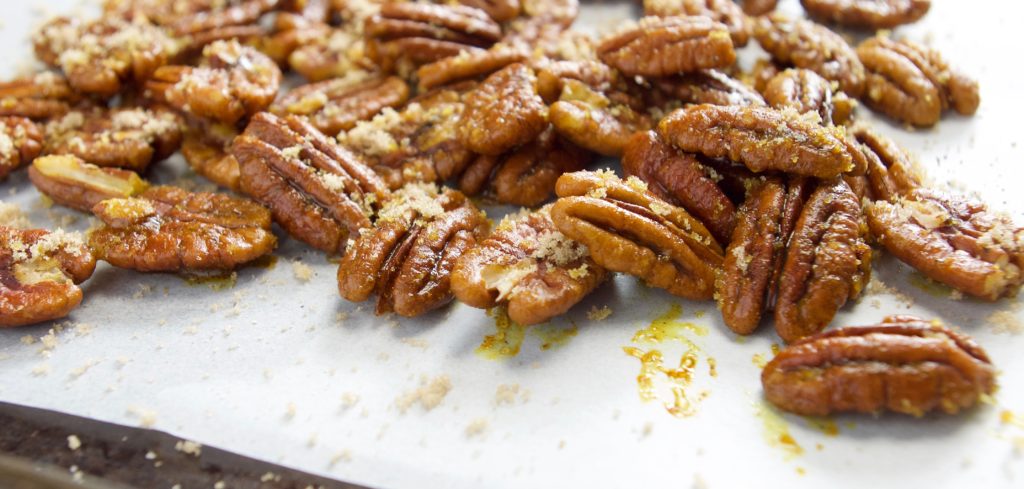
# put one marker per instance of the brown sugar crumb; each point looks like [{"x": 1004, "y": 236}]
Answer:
[
  {"x": 476, "y": 428},
  {"x": 74, "y": 443},
  {"x": 599, "y": 313},
  {"x": 12, "y": 216},
  {"x": 429, "y": 395},
  {"x": 1007, "y": 320},
  {"x": 303, "y": 272},
  {"x": 877, "y": 287},
  {"x": 189, "y": 447}
]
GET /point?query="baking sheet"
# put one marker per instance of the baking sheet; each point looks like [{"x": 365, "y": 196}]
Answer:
[{"x": 277, "y": 367}]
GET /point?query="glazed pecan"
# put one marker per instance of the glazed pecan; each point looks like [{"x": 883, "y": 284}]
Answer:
[
  {"x": 37, "y": 97},
  {"x": 904, "y": 364},
  {"x": 221, "y": 21},
  {"x": 503, "y": 112},
  {"x": 627, "y": 229},
  {"x": 682, "y": 180},
  {"x": 745, "y": 285},
  {"x": 759, "y": 7},
  {"x": 417, "y": 144},
  {"x": 527, "y": 265},
  {"x": 912, "y": 83},
  {"x": 763, "y": 139},
  {"x": 184, "y": 12},
  {"x": 71, "y": 182},
  {"x": 722, "y": 11},
  {"x": 560, "y": 13},
  {"x": 131, "y": 138},
  {"x": 291, "y": 32},
  {"x": 891, "y": 171},
  {"x": 596, "y": 121},
  {"x": 804, "y": 44},
  {"x": 807, "y": 92},
  {"x": 20, "y": 142},
  {"x": 206, "y": 147},
  {"x": 468, "y": 65},
  {"x": 668, "y": 46},
  {"x": 339, "y": 53},
  {"x": 827, "y": 262},
  {"x": 708, "y": 87},
  {"x": 551, "y": 77},
  {"x": 168, "y": 229},
  {"x": 231, "y": 82},
  {"x": 420, "y": 33},
  {"x": 408, "y": 256},
  {"x": 318, "y": 191},
  {"x": 952, "y": 239},
  {"x": 499, "y": 10},
  {"x": 868, "y": 14},
  {"x": 39, "y": 273},
  {"x": 337, "y": 105},
  {"x": 525, "y": 176},
  {"x": 101, "y": 57}
]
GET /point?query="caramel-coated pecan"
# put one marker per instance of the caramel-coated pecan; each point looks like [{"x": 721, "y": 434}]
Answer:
[
  {"x": 317, "y": 191},
  {"x": 419, "y": 33},
  {"x": 551, "y": 77},
  {"x": 418, "y": 143},
  {"x": 891, "y": 171},
  {"x": 206, "y": 147},
  {"x": 39, "y": 273},
  {"x": 807, "y": 92},
  {"x": 763, "y": 139},
  {"x": 468, "y": 65},
  {"x": 912, "y": 83},
  {"x": 804, "y": 44},
  {"x": 408, "y": 256},
  {"x": 668, "y": 46},
  {"x": 708, "y": 87},
  {"x": 596, "y": 121},
  {"x": 868, "y": 14},
  {"x": 168, "y": 229},
  {"x": 525, "y": 176},
  {"x": 745, "y": 284},
  {"x": 337, "y": 105},
  {"x": 952, "y": 239},
  {"x": 723, "y": 11},
  {"x": 221, "y": 21},
  {"x": 38, "y": 97},
  {"x": 499, "y": 10},
  {"x": 339, "y": 53},
  {"x": 20, "y": 142},
  {"x": 101, "y": 57},
  {"x": 231, "y": 82},
  {"x": 529, "y": 266},
  {"x": 759, "y": 7},
  {"x": 71, "y": 182},
  {"x": 629, "y": 230},
  {"x": 291, "y": 32},
  {"x": 503, "y": 112},
  {"x": 682, "y": 180},
  {"x": 827, "y": 262},
  {"x": 904, "y": 365},
  {"x": 131, "y": 138}
]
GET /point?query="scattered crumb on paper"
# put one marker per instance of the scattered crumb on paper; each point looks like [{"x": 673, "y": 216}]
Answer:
[{"x": 429, "y": 395}]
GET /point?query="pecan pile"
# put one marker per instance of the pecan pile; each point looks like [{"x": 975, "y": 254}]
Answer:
[{"x": 375, "y": 131}]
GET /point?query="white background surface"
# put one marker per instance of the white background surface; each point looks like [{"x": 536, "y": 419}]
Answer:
[{"x": 226, "y": 376}]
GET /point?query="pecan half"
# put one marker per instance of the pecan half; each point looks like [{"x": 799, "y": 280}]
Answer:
[
  {"x": 682, "y": 180},
  {"x": 71, "y": 182},
  {"x": 168, "y": 229},
  {"x": 38, "y": 97},
  {"x": 912, "y": 83},
  {"x": 807, "y": 92},
  {"x": 527, "y": 265},
  {"x": 596, "y": 121},
  {"x": 827, "y": 262},
  {"x": 525, "y": 176},
  {"x": 868, "y": 14},
  {"x": 668, "y": 46},
  {"x": 340, "y": 53},
  {"x": 408, "y": 256},
  {"x": 222, "y": 21},
  {"x": 804, "y": 44},
  {"x": 131, "y": 138},
  {"x": 763, "y": 139},
  {"x": 551, "y": 77},
  {"x": 337, "y": 105},
  {"x": 891, "y": 172},
  {"x": 317, "y": 191},
  {"x": 759, "y": 7},
  {"x": 101, "y": 57},
  {"x": 499, "y": 10},
  {"x": 723, "y": 11},
  {"x": 952, "y": 239},
  {"x": 206, "y": 147},
  {"x": 20, "y": 142},
  {"x": 708, "y": 87},
  {"x": 291, "y": 32},
  {"x": 629, "y": 230},
  {"x": 420, "y": 33},
  {"x": 904, "y": 365},
  {"x": 503, "y": 112},
  {"x": 418, "y": 143},
  {"x": 39, "y": 273},
  {"x": 468, "y": 65},
  {"x": 231, "y": 82}
]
